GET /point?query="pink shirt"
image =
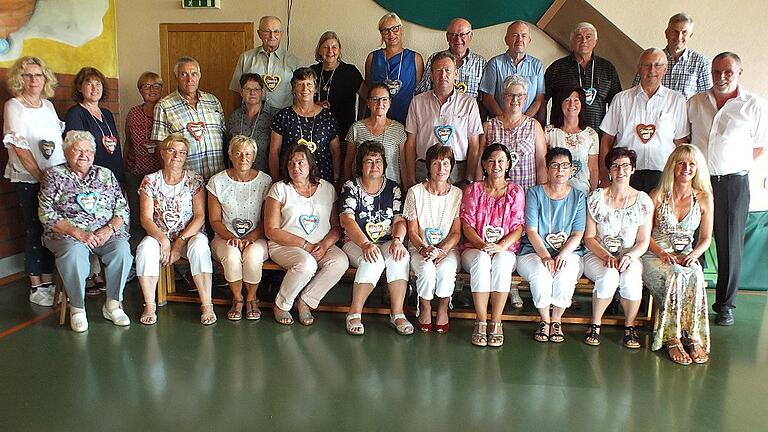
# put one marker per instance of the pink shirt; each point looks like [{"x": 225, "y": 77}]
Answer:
[{"x": 480, "y": 210}]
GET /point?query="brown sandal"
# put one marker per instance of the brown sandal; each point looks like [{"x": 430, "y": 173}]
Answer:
[
  {"x": 252, "y": 311},
  {"x": 697, "y": 353},
  {"x": 541, "y": 335},
  {"x": 235, "y": 313},
  {"x": 684, "y": 359}
]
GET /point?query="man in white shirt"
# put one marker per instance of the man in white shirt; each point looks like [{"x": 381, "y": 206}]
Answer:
[
  {"x": 649, "y": 119},
  {"x": 727, "y": 125}
]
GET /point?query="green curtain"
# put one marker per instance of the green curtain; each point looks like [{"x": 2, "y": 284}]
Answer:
[{"x": 754, "y": 263}]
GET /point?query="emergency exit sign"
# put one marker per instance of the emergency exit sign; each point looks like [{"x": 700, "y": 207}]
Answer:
[{"x": 201, "y": 4}]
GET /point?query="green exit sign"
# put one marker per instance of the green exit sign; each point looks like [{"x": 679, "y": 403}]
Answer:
[{"x": 203, "y": 4}]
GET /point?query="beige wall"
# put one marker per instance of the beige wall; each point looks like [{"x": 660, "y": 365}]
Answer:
[{"x": 719, "y": 27}]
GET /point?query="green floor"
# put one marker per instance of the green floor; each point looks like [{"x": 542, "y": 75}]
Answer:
[{"x": 181, "y": 376}]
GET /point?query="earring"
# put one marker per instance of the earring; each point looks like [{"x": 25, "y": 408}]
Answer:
[{"x": 610, "y": 178}]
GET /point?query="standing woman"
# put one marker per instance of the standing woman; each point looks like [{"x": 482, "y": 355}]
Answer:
[
  {"x": 671, "y": 267},
  {"x": 571, "y": 131},
  {"x": 492, "y": 221},
  {"x": 309, "y": 124},
  {"x": 397, "y": 67},
  {"x": 521, "y": 134},
  {"x": 339, "y": 83},
  {"x": 551, "y": 257},
  {"x": 253, "y": 119},
  {"x": 32, "y": 136},
  {"x": 617, "y": 235},
  {"x": 434, "y": 230}
]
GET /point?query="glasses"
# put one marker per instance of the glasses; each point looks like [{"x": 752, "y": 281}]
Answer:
[
  {"x": 388, "y": 30},
  {"x": 515, "y": 95},
  {"x": 377, "y": 99},
  {"x": 271, "y": 32},
  {"x": 155, "y": 86},
  {"x": 174, "y": 152},
  {"x": 624, "y": 166},
  {"x": 560, "y": 166},
  {"x": 373, "y": 162},
  {"x": 459, "y": 35},
  {"x": 250, "y": 89},
  {"x": 29, "y": 76}
]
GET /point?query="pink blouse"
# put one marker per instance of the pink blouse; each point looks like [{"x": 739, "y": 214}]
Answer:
[{"x": 483, "y": 212}]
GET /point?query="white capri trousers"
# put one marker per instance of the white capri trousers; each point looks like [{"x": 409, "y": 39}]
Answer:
[
  {"x": 489, "y": 273},
  {"x": 547, "y": 289},
  {"x": 245, "y": 265},
  {"x": 197, "y": 253},
  {"x": 305, "y": 275},
  {"x": 630, "y": 282},
  {"x": 369, "y": 273},
  {"x": 432, "y": 280}
]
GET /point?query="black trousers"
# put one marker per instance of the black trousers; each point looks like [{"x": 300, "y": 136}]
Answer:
[
  {"x": 645, "y": 180},
  {"x": 731, "y": 195},
  {"x": 37, "y": 259}
]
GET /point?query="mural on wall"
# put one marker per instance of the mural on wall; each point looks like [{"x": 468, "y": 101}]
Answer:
[
  {"x": 481, "y": 13},
  {"x": 68, "y": 34}
]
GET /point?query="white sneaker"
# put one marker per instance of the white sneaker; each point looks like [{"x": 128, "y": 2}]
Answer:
[
  {"x": 41, "y": 296},
  {"x": 78, "y": 321},
  {"x": 116, "y": 315}
]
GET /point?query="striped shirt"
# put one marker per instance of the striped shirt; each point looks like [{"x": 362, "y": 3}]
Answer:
[
  {"x": 470, "y": 73},
  {"x": 690, "y": 74},
  {"x": 502, "y": 66},
  {"x": 520, "y": 140},
  {"x": 203, "y": 126}
]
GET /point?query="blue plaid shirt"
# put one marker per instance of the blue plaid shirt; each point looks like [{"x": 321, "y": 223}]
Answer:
[
  {"x": 470, "y": 73},
  {"x": 690, "y": 74}
]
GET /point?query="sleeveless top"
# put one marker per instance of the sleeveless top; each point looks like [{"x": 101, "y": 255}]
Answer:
[
  {"x": 383, "y": 69},
  {"x": 521, "y": 140},
  {"x": 666, "y": 225}
]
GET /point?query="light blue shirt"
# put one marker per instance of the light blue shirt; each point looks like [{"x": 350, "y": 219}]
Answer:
[
  {"x": 548, "y": 216},
  {"x": 502, "y": 66}
]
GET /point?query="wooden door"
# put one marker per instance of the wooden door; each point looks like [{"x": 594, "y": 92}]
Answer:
[{"x": 216, "y": 46}]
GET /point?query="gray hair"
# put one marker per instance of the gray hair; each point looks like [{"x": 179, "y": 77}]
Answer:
[
  {"x": 75, "y": 136},
  {"x": 182, "y": 61},
  {"x": 681, "y": 17},
  {"x": 514, "y": 80},
  {"x": 650, "y": 51},
  {"x": 580, "y": 26}
]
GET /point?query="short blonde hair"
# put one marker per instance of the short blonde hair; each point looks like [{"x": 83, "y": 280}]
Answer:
[
  {"x": 172, "y": 138},
  {"x": 75, "y": 136},
  {"x": 16, "y": 81},
  {"x": 239, "y": 141},
  {"x": 387, "y": 16},
  {"x": 147, "y": 76}
]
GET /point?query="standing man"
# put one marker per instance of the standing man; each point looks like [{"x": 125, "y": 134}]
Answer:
[
  {"x": 447, "y": 116},
  {"x": 582, "y": 68},
  {"x": 515, "y": 61},
  {"x": 688, "y": 72},
  {"x": 197, "y": 115},
  {"x": 469, "y": 65},
  {"x": 649, "y": 119},
  {"x": 274, "y": 64},
  {"x": 727, "y": 125}
]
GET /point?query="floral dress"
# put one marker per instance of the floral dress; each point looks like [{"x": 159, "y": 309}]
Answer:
[{"x": 679, "y": 290}]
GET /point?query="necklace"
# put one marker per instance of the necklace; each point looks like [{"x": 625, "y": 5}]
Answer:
[
  {"x": 308, "y": 222},
  {"x": 39, "y": 105},
  {"x": 172, "y": 212},
  {"x": 241, "y": 227},
  {"x": 614, "y": 243},
  {"x": 377, "y": 225},
  {"x": 311, "y": 145},
  {"x": 87, "y": 199},
  {"x": 327, "y": 86},
  {"x": 590, "y": 92},
  {"x": 393, "y": 85},
  {"x": 255, "y": 121},
  {"x": 108, "y": 140},
  {"x": 435, "y": 233}
]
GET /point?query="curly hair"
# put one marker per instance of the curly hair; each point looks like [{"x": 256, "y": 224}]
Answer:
[{"x": 16, "y": 81}]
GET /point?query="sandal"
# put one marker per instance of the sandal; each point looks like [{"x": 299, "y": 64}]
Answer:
[
  {"x": 631, "y": 339},
  {"x": 592, "y": 337},
  {"x": 405, "y": 328},
  {"x": 149, "y": 316},
  {"x": 235, "y": 313},
  {"x": 556, "y": 332},
  {"x": 306, "y": 318},
  {"x": 252, "y": 311},
  {"x": 282, "y": 317},
  {"x": 541, "y": 335},
  {"x": 697, "y": 353},
  {"x": 207, "y": 316},
  {"x": 355, "y": 329},
  {"x": 496, "y": 334},
  {"x": 480, "y": 334},
  {"x": 682, "y": 357},
  {"x": 514, "y": 298}
]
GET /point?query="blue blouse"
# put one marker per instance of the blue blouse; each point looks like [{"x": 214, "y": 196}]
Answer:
[{"x": 548, "y": 216}]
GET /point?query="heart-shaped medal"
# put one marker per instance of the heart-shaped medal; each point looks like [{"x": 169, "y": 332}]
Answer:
[
  {"x": 460, "y": 86},
  {"x": 613, "y": 244},
  {"x": 375, "y": 231},
  {"x": 514, "y": 158},
  {"x": 591, "y": 94},
  {"x": 109, "y": 142},
  {"x": 433, "y": 235},
  {"x": 309, "y": 223},
  {"x": 46, "y": 148},
  {"x": 576, "y": 167},
  {"x": 492, "y": 234},
  {"x": 150, "y": 146},
  {"x": 87, "y": 201},
  {"x": 241, "y": 226},
  {"x": 393, "y": 86},
  {"x": 310, "y": 144},
  {"x": 645, "y": 132},
  {"x": 196, "y": 129},
  {"x": 443, "y": 133},
  {"x": 680, "y": 241},
  {"x": 171, "y": 219},
  {"x": 556, "y": 240},
  {"x": 271, "y": 82}
]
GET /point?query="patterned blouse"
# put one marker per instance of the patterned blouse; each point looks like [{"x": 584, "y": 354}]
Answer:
[
  {"x": 374, "y": 214},
  {"x": 171, "y": 204},
  {"x": 493, "y": 218},
  {"x": 320, "y": 130},
  {"x": 87, "y": 203},
  {"x": 142, "y": 157},
  {"x": 672, "y": 235},
  {"x": 617, "y": 228},
  {"x": 520, "y": 140}
]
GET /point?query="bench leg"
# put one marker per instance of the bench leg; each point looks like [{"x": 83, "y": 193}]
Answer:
[
  {"x": 166, "y": 284},
  {"x": 60, "y": 300}
]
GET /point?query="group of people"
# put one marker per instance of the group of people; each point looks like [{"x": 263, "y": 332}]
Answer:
[{"x": 609, "y": 188}]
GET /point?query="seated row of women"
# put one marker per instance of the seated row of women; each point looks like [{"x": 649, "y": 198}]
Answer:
[{"x": 301, "y": 226}]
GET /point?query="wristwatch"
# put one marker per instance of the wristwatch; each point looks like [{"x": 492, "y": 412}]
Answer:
[
  {"x": 182, "y": 237},
  {"x": 112, "y": 227}
]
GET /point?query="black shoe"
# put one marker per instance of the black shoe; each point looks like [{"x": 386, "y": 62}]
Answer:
[{"x": 724, "y": 318}]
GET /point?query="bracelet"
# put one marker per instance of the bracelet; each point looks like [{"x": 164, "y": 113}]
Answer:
[
  {"x": 304, "y": 246},
  {"x": 421, "y": 249}
]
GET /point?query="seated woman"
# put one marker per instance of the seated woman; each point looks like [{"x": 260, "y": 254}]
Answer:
[
  {"x": 671, "y": 267},
  {"x": 83, "y": 211},
  {"x": 234, "y": 210},
  {"x": 375, "y": 230},
  {"x": 617, "y": 235},
  {"x": 551, "y": 257},
  {"x": 492, "y": 221},
  {"x": 172, "y": 206},
  {"x": 302, "y": 225},
  {"x": 432, "y": 211}
]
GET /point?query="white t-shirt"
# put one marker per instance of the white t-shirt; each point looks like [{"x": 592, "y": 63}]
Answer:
[
  {"x": 434, "y": 213},
  {"x": 241, "y": 202},
  {"x": 308, "y": 218},
  {"x": 35, "y": 129},
  {"x": 581, "y": 145}
]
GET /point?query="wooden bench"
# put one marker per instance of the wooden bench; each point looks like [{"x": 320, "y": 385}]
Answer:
[{"x": 166, "y": 291}]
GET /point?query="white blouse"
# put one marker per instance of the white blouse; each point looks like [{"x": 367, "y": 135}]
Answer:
[{"x": 35, "y": 129}]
